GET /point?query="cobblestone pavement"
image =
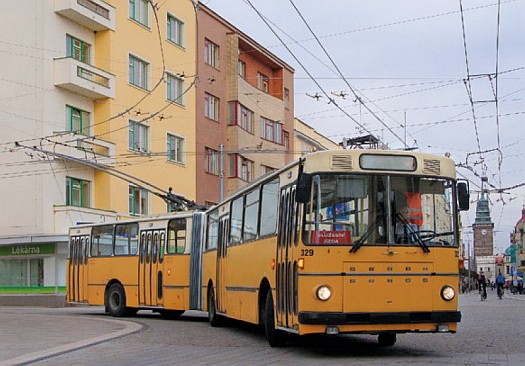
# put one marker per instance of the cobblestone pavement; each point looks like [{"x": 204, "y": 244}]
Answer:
[{"x": 491, "y": 333}]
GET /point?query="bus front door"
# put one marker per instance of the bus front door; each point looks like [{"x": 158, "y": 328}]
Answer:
[
  {"x": 286, "y": 266},
  {"x": 148, "y": 268}
]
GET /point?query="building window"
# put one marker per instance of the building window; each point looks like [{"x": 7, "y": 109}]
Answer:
[
  {"x": 77, "y": 120},
  {"x": 241, "y": 116},
  {"x": 240, "y": 167},
  {"x": 138, "y": 201},
  {"x": 175, "y": 89},
  {"x": 263, "y": 82},
  {"x": 286, "y": 98},
  {"x": 138, "y": 137},
  {"x": 77, "y": 49},
  {"x": 77, "y": 192},
  {"x": 211, "y": 53},
  {"x": 211, "y": 107},
  {"x": 212, "y": 161},
  {"x": 241, "y": 68},
  {"x": 175, "y": 31},
  {"x": 271, "y": 130},
  {"x": 267, "y": 169},
  {"x": 138, "y": 72},
  {"x": 175, "y": 147},
  {"x": 138, "y": 11},
  {"x": 286, "y": 140}
]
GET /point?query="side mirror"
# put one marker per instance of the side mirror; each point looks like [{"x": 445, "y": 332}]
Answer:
[
  {"x": 304, "y": 188},
  {"x": 463, "y": 196}
]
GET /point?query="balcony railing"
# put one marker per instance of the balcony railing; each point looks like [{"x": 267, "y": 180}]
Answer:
[
  {"x": 83, "y": 79},
  {"x": 93, "y": 14},
  {"x": 94, "y": 7},
  {"x": 91, "y": 76}
]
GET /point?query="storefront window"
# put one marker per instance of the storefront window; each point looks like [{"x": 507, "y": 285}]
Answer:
[{"x": 21, "y": 272}]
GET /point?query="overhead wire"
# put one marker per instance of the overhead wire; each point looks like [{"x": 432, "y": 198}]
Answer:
[
  {"x": 342, "y": 76},
  {"x": 468, "y": 85},
  {"x": 304, "y": 68},
  {"x": 500, "y": 160}
]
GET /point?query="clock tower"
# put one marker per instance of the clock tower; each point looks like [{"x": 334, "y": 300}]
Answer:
[{"x": 483, "y": 228}]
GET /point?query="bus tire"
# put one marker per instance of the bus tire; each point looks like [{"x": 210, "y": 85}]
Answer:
[
  {"x": 387, "y": 339},
  {"x": 275, "y": 337},
  {"x": 213, "y": 318},
  {"x": 116, "y": 301}
]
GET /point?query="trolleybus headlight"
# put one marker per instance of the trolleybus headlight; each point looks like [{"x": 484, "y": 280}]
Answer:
[
  {"x": 448, "y": 293},
  {"x": 323, "y": 293}
]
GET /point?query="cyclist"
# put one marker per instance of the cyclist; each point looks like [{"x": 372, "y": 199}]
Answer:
[{"x": 500, "y": 281}]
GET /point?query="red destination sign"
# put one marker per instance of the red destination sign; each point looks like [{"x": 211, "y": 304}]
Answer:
[{"x": 332, "y": 237}]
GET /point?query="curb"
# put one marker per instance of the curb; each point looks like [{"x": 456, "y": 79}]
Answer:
[{"x": 130, "y": 327}]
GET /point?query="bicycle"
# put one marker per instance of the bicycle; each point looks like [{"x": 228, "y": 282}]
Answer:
[
  {"x": 500, "y": 292},
  {"x": 483, "y": 293}
]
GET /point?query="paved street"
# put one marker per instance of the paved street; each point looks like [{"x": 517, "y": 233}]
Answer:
[{"x": 491, "y": 333}]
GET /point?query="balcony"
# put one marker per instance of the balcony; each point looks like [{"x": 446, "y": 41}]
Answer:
[
  {"x": 91, "y": 150},
  {"x": 93, "y": 14},
  {"x": 83, "y": 79}
]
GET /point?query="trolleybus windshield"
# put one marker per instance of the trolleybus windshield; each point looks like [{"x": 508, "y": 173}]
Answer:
[{"x": 357, "y": 210}]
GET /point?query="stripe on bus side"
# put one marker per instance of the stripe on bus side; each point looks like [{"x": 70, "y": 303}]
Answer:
[
  {"x": 384, "y": 274},
  {"x": 242, "y": 289}
]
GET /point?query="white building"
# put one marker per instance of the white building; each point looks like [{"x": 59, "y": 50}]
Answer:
[
  {"x": 487, "y": 265},
  {"x": 49, "y": 87}
]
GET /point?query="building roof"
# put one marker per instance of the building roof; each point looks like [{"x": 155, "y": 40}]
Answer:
[{"x": 483, "y": 211}]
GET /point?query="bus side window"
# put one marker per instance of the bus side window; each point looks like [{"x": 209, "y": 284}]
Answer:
[
  {"x": 236, "y": 221},
  {"x": 102, "y": 243},
  {"x": 177, "y": 236},
  {"x": 161, "y": 249},
  {"x": 269, "y": 204}
]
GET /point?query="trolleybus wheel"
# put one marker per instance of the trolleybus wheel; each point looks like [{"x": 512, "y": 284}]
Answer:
[
  {"x": 116, "y": 301},
  {"x": 276, "y": 338},
  {"x": 213, "y": 318},
  {"x": 386, "y": 339}
]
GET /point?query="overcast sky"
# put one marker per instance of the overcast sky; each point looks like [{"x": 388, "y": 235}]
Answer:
[{"x": 406, "y": 61}]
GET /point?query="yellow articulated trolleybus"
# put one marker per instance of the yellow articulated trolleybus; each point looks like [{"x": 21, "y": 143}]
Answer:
[
  {"x": 352, "y": 241},
  {"x": 150, "y": 263}
]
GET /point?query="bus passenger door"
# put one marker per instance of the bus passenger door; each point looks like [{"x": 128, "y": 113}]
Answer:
[
  {"x": 154, "y": 267},
  {"x": 77, "y": 271},
  {"x": 83, "y": 268},
  {"x": 222, "y": 251},
  {"x": 161, "y": 237},
  {"x": 286, "y": 266},
  {"x": 72, "y": 270},
  {"x": 149, "y": 269},
  {"x": 143, "y": 267}
]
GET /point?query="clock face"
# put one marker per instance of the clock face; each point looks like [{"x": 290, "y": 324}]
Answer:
[{"x": 483, "y": 232}]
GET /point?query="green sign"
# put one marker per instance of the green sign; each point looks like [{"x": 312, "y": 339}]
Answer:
[{"x": 27, "y": 249}]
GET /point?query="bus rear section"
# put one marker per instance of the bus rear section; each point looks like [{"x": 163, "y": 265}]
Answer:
[{"x": 138, "y": 264}]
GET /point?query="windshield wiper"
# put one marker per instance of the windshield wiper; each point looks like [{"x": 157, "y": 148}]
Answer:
[{"x": 367, "y": 233}]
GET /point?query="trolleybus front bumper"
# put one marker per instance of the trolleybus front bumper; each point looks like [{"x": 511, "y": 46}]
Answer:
[{"x": 318, "y": 318}]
